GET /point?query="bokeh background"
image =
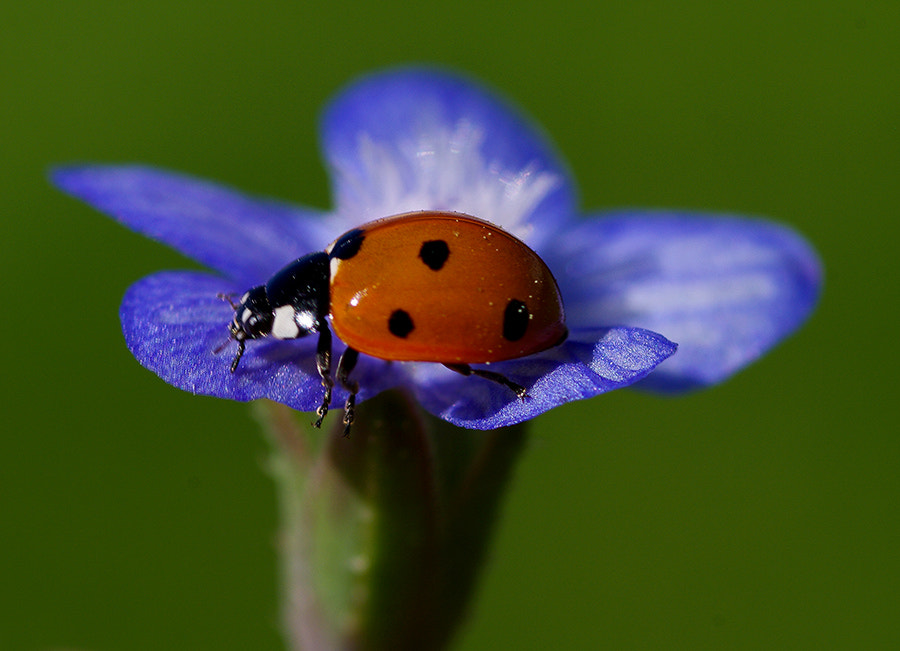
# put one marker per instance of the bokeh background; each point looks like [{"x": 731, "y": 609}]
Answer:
[{"x": 759, "y": 514}]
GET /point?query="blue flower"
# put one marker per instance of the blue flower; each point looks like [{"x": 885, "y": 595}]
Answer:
[{"x": 725, "y": 288}]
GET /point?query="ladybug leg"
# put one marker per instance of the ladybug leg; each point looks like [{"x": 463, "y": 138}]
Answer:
[
  {"x": 323, "y": 364},
  {"x": 237, "y": 356},
  {"x": 345, "y": 367},
  {"x": 465, "y": 369}
]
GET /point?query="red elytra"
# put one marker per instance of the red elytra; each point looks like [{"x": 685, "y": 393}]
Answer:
[{"x": 444, "y": 287}]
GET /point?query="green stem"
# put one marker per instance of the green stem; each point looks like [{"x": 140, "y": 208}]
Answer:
[{"x": 384, "y": 533}]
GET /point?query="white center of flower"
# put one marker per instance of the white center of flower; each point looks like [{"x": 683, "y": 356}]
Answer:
[{"x": 443, "y": 170}]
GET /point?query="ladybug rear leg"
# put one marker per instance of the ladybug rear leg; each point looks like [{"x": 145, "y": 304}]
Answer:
[
  {"x": 345, "y": 367},
  {"x": 467, "y": 370},
  {"x": 323, "y": 364}
]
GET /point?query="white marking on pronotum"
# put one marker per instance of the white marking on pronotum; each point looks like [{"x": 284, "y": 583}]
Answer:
[
  {"x": 284, "y": 326},
  {"x": 305, "y": 321}
]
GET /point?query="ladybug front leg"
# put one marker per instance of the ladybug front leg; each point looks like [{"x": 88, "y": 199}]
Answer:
[
  {"x": 323, "y": 364},
  {"x": 345, "y": 367}
]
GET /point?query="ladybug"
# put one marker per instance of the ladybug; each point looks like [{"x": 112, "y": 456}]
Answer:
[{"x": 425, "y": 286}]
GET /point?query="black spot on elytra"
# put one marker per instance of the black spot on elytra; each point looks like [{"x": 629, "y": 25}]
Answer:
[
  {"x": 434, "y": 254},
  {"x": 347, "y": 245},
  {"x": 400, "y": 324},
  {"x": 515, "y": 320}
]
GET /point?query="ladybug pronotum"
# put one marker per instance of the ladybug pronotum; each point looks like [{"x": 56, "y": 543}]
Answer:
[{"x": 423, "y": 286}]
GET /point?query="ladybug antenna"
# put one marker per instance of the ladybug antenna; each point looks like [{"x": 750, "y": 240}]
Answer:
[
  {"x": 227, "y": 298},
  {"x": 218, "y": 349}
]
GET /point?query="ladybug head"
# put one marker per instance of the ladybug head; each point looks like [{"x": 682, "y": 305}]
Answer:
[
  {"x": 252, "y": 316},
  {"x": 253, "y": 319}
]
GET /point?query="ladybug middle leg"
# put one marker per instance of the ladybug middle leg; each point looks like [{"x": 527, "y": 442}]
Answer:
[
  {"x": 323, "y": 365},
  {"x": 465, "y": 369},
  {"x": 345, "y": 366}
]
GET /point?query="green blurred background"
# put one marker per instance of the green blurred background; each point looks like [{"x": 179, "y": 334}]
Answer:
[{"x": 759, "y": 514}]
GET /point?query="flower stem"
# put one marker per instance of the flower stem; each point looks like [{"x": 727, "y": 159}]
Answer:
[{"x": 383, "y": 533}]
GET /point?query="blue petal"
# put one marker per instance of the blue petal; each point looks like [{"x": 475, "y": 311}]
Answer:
[
  {"x": 725, "y": 288},
  {"x": 421, "y": 139},
  {"x": 589, "y": 363},
  {"x": 173, "y": 322},
  {"x": 245, "y": 238}
]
